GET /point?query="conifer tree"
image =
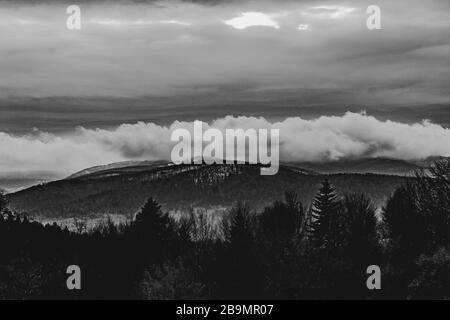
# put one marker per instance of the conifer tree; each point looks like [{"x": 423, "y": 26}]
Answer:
[
  {"x": 153, "y": 225},
  {"x": 324, "y": 211}
]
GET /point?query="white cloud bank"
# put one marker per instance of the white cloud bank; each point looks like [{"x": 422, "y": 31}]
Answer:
[{"x": 324, "y": 138}]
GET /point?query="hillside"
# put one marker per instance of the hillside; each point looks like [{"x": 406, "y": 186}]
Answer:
[
  {"x": 123, "y": 190},
  {"x": 124, "y": 166},
  {"x": 383, "y": 166}
]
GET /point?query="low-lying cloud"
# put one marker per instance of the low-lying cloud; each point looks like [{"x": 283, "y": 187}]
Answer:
[{"x": 321, "y": 139}]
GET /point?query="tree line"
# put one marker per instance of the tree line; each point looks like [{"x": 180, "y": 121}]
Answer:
[{"x": 288, "y": 250}]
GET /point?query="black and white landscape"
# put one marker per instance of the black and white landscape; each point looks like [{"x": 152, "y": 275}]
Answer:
[{"x": 87, "y": 178}]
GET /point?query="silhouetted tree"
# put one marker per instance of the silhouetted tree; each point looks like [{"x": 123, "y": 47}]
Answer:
[
  {"x": 282, "y": 222},
  {"x": 405, "y": 236},
  {"x": 325, "y": 209},
  {"x": 239, "y": 232},
  {"x": 433, "y": 202},
  {"x": 404, "y": 226},
  {"x": 239, "y": 264},
  {"x": 358, "y": 227},
  {"x": 280, "y": 236},
  {"x": 153, "y": 225},
  {"x": 433, "y": 279},
  {"x": 171, "y": 280}
]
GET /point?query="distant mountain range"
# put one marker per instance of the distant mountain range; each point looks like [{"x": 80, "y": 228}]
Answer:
[
  {"x": 122, "y": 188},
  {"x": 12, "y": 182}
]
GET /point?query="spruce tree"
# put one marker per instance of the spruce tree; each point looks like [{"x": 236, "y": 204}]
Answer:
[
  {"x": 324, "y": 210},
  {"x": 153, "y": 226}
]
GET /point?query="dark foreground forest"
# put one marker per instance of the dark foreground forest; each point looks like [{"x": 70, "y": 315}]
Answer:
[{"x": 288, "y": 250}]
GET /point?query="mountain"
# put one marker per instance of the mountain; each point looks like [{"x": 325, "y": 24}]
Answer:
[
  {"x": 119, "y": 167},
  {"x": 14, "y": 181},
  {"x": 427, "y": 162},
  {"x": 121, "y": 189},
  {"x": 383, "y": 166}
]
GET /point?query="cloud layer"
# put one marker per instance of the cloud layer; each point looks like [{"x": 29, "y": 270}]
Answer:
[
  {"x": 131, "y": 49},
  {"x": 324, "y": 138}
]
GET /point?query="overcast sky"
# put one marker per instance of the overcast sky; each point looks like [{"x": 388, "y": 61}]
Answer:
[
  {"x": 161, "y": 62},
  {"x": 130, "y": 49}
]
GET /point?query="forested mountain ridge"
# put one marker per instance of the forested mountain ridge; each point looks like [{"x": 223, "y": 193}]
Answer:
[
  {"x": 384, "y": 166},
  {"x": 123, "y": 190}
]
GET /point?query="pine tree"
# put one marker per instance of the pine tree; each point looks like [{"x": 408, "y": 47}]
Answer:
[
  {"x": 153, "y": 225},
  {"x": 324, "y": 210}
]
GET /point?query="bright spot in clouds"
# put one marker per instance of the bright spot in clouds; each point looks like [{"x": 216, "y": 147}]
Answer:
[{"x": 252, "y": 19}]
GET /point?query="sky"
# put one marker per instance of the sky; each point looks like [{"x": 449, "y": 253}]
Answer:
[
  {"x": 131, "y": 49},
  {"x": 147, "y": 65}
]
